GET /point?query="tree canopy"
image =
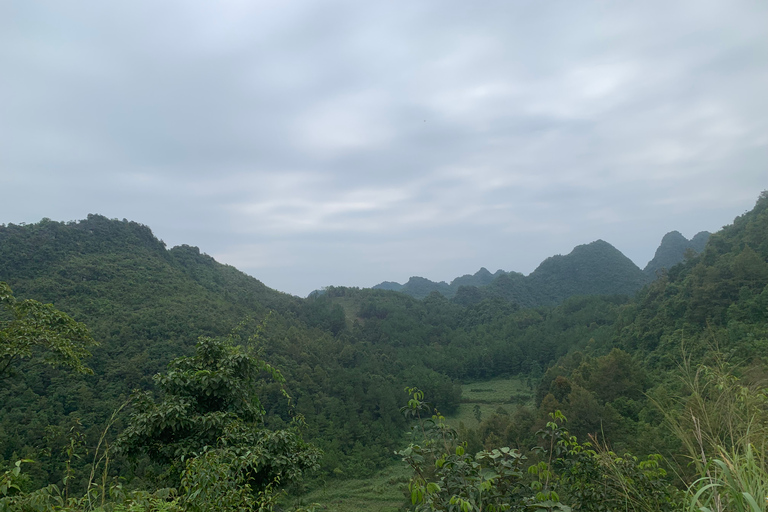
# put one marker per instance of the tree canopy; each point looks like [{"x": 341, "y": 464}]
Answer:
[
  {"x": 32, "y": 330},
  {"x": 209, "y": 423}
]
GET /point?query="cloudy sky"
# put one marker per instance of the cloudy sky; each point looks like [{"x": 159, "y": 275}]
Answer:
[{"x": 351, "y": 142}]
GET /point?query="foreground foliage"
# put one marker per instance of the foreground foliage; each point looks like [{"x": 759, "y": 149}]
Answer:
[
  {"x": 724, "y": 428},
  {"x": 207, "y": 430},
  {"x": 559, "y": 474},
  {"x": 30, "y": 329}
]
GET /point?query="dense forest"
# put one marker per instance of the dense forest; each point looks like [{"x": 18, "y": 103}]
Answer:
[{"x": 137, "y": 377}]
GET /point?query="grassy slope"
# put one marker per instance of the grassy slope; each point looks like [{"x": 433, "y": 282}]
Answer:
[
  {"x": 506, "y": 392},
  {"x": 385, "y": 491}
]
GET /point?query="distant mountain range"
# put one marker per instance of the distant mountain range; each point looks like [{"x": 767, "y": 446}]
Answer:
[
  {"x": 597, "y": 268},
  {"x": 420, "y": 287},
  {"x": 65, "y": 250}
]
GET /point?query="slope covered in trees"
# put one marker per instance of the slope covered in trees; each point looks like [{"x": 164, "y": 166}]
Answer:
[
  {"x": 712, "y": 309},
  {"x": 606, "y": 361},
  {"x": 349, "y": 350},
  {"x": 146, "y": 306},
  {"x": 673, "y": 249}
]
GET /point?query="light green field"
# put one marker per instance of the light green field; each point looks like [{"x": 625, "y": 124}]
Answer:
[
  {"x": 383, "y": 492},
  {"x": 489, "y": 395}
]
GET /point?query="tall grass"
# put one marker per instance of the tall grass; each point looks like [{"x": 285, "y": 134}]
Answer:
[
  {"x": 734, "y": 482},
  {"x": 723, "y": 425}
]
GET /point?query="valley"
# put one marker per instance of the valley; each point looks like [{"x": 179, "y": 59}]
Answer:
[{"x": 588, "y": 336}]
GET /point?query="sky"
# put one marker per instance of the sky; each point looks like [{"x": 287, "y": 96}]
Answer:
[{"x": 347, "y": 143}]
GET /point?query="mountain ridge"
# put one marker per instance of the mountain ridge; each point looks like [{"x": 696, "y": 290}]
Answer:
[
  {"x": 555, "y": 279},
  {"x": 672, "y": 250},
  {"x": 535, "y": 289}
]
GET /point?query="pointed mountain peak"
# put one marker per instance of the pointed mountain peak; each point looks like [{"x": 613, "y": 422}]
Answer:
[
  {"x": 673, "y": 237},
  {"x": 672, "y": 250},
  {"x": 483, "y": 272}
]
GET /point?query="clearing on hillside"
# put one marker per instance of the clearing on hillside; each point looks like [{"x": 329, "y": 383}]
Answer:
[{"x": 487, "y": 396}]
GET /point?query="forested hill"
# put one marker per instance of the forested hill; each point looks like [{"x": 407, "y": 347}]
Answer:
[
  {"x": 592, "y": 269},
  {"x": 347, "y": 354},
  {"x": 92, "y": 252},
  {"x": 597, "y": 268},
  {"x": 711, "y": 309},
  {"x": 122, "y": 280},
  {"x": 147, "y": 305},
  {"x": 673, "y": 249},
  {"x": 348, "y": 350}
]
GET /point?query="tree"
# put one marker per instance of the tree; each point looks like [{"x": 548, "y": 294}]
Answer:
[
  {"x": 446, "y": 477},
  {"x": 562, "y": 474},
  {"x": 30, "y": 329},
  {"x": 209, "y": 428}
]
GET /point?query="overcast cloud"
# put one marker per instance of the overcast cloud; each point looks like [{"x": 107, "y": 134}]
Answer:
[{"x": 348, "y": 143}]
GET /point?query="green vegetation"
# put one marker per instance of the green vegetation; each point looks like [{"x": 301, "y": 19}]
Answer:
[
  {"x": 597, "y": 268},
  {"x": 673, "y": 250},
  {"x": 210, "y": 407},
  {"x": 384, "y": 491},
  {"x": 558, "y": 470},
  {"x": 31, "y": 330},
  {"x": 480, "y": 400},
  {"x": 664, "y": 391}
]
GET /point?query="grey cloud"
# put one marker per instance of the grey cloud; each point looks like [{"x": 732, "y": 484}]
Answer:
[{"x": 337, "y": 137}]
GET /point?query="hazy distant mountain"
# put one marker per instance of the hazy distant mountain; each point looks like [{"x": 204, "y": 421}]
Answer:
[
  {"x": 592, "y": 269},
  {"x": 480, "y": 278},
  {"x": 511, "y": 286},
  {"x": 699, "y": 240},
  {"x": 672, "y": 250},
  {"x": 389, "y": 285},
  {"x": 420, "y": 287}
]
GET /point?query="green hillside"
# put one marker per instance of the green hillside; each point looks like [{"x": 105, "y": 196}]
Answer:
[
  {"x": 673, "y": 249},
  {"x": 592, "y": 269},
  {"x": 571, "y": 337},
  {"x": 347, "y": 350},
  {"x": 147, "y": 305}
]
